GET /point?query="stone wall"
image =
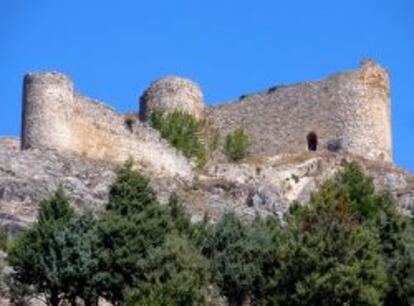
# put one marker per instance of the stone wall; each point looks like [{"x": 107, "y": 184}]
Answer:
[
  {"x": 348, "y": 111},
  {"x": 56, "y": 118}
]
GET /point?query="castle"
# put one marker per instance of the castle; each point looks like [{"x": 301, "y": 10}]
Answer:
[{"x": 346, "y": 112}]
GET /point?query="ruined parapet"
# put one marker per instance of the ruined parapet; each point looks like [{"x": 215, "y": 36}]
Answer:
[
  {"x": 347, "y": 112},
  {"x": 54, "y": 117},
  {"x": 103, "y": 134},
  {"x": 47, "y": 110},
  {"x": 172, "y": 93}
]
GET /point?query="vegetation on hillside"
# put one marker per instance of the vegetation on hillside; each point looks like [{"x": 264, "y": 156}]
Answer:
[
  {"x": 184, "y": 132},
  {"x": 236, "y": 145},
  {"x": 196, "y": 138},
  {"x": 347, "y": 246}
]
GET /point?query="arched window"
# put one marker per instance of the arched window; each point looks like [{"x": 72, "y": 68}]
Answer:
[{"x": 312, "y": 141}]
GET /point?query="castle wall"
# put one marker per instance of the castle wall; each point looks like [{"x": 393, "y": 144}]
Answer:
[
  {"x": 101, "y": 133},
  {"x": 56, "y": 118},
  {"x": 348, "y": 111}
]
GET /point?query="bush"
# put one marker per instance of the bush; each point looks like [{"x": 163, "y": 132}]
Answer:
[
  {"x": 184, "y": 132},
  {"x": 236, "y": 145}
]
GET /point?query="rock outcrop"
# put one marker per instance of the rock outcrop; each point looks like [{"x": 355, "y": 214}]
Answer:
[{"x": 264, "y": 186}]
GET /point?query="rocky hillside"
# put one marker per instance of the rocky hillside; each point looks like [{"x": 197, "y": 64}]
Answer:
[{"x": 256, "y": 186}]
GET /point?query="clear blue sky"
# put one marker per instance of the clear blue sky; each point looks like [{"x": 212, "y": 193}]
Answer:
[{"x": 114, "y": 49}]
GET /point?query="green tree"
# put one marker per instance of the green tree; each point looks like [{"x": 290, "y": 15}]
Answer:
[
  {"x": 36, "y": 256},
  {"x": 134, "y": 224},
  {"x": 236, "y": 145},
  {"x": 361, "y": 191},
  {"x": 78, "y": 264},
  {"x": 177, "y": 274},
  {"x": 180, "y": 216},
  {"x": 331, "y": 258},
  {"x": 379, "y": 212},
  {"x": 184, "y": 132},
  {"x": 273, "y": 249},
  {"x": 236, "y": 251},
  {"x": 397, "y": 244},
  {"x": 145, "y": 251}
]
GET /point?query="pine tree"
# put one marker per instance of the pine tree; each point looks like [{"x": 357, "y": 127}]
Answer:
[
  {"x": 36, "y": 256},
  {"x": 145, "y": 247},
  {"x": 331, "y": 258},
  {"x": 236, "y": 250}
]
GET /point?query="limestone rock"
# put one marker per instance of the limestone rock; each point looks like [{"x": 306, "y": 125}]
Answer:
[{"x": 254, "y": 187}]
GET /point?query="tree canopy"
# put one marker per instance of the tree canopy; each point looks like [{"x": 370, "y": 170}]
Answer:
[{"x": 348, "y": 245}]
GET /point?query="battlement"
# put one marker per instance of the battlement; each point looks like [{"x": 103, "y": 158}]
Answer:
[{"x": 346, "y": 112}]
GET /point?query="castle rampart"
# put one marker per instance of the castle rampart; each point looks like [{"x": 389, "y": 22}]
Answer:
[
  {"x": 55, "y": 117},
  {"x": 347, "y": 112}
]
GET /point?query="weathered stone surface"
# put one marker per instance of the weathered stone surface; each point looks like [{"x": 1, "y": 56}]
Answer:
[
  {"x": 348, "y": 112},
  {"x": 27, "y": 177},
  {"x": 265, "y": 187},
  {"x": 55, "y": 117},
  {"x": 172, "y": 93}
]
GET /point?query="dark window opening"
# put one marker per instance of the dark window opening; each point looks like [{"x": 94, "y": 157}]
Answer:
[
  {"x": 129, "y": 122},
  {"x": 312, "y": 142}
]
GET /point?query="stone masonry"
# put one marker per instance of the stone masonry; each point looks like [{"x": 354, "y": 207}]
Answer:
[
  {"x": 172, "y": 93},
  {"x": 348, "y": 112},
  {"x": 54, "y": 117}
]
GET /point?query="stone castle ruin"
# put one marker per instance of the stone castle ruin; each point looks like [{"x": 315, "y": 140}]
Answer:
[{"x": 347, "y": 112}]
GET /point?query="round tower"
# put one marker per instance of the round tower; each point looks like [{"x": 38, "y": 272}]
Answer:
[
  {"x": 47, "y": 110},
  {"x": 172, "y": 93},
  {"x": 365, "y": 125}
]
